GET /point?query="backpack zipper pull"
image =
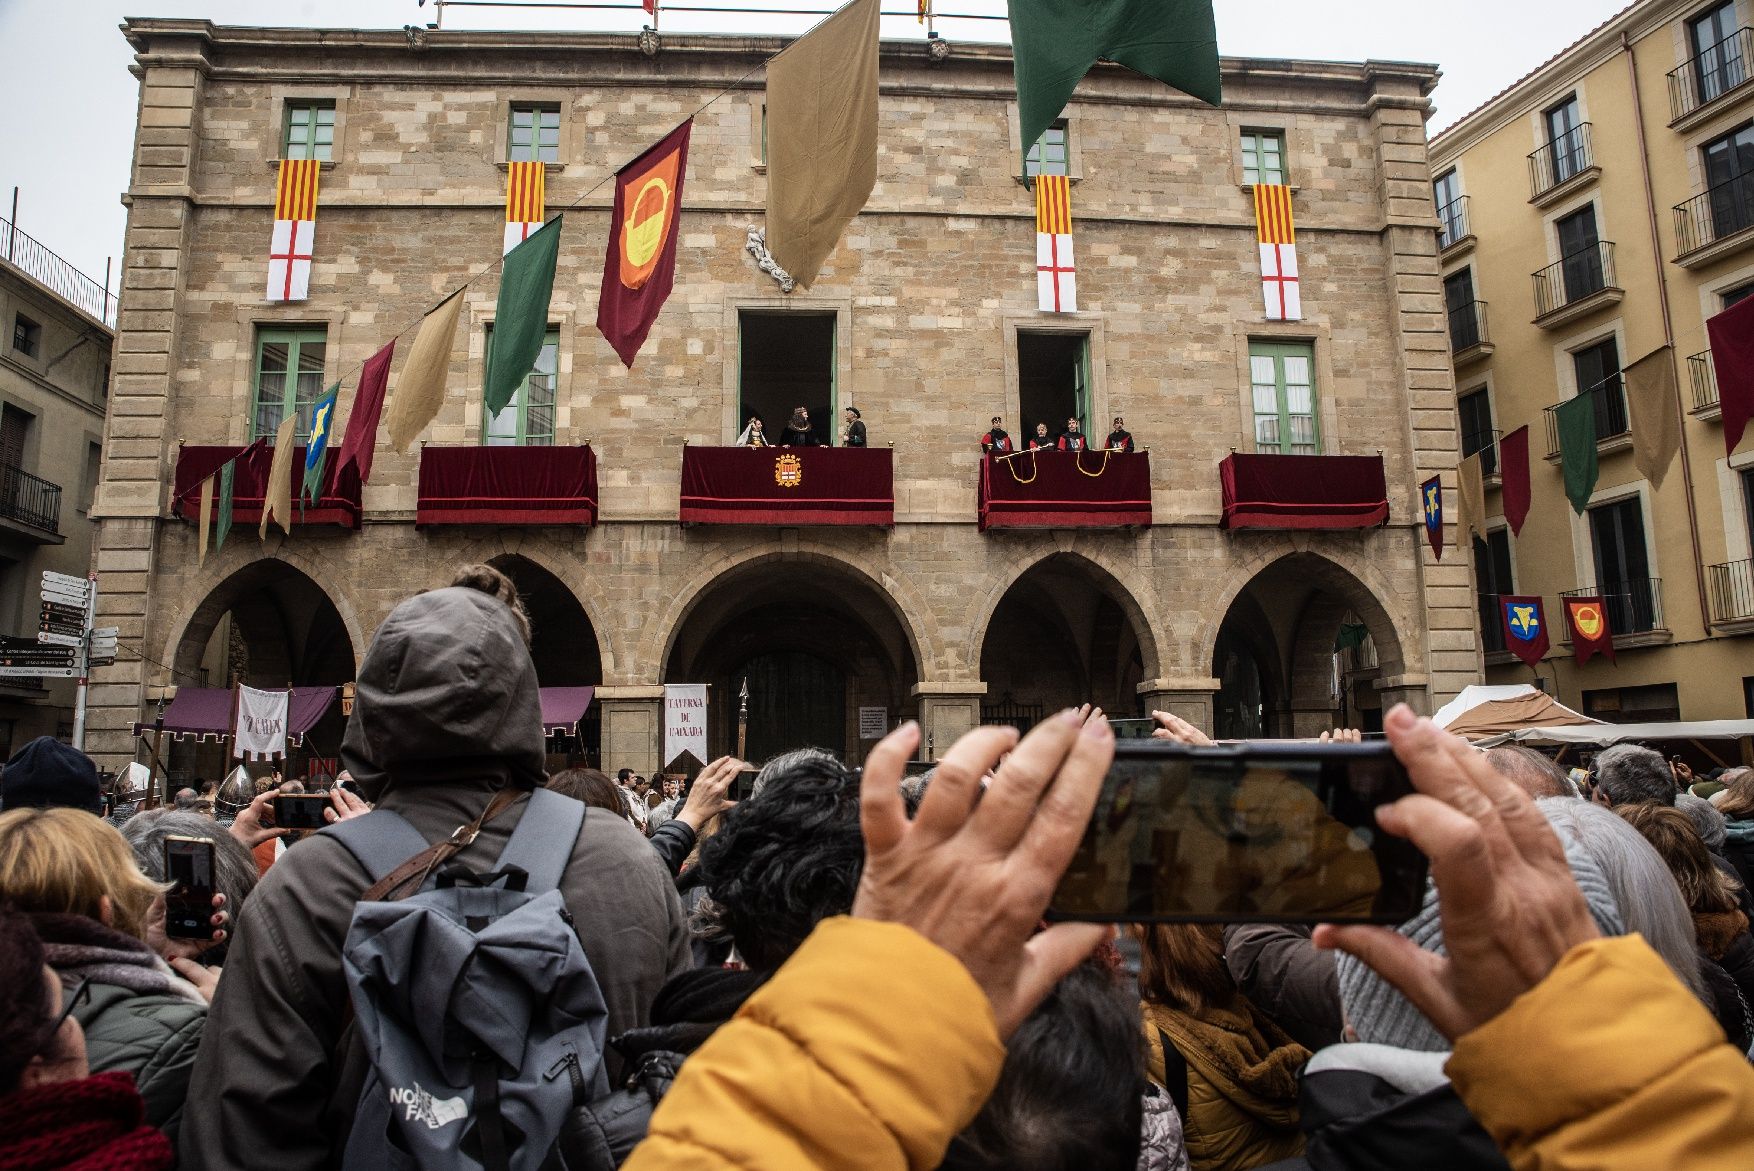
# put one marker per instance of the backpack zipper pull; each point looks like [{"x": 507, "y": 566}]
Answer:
[{"x": 570, "y": 1063}]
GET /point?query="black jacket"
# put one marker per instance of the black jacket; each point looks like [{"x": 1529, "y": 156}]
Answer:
[
  {"x": 856, "y": 434},
  {"x": 674, "y": 841},
  {"x": 791, "y": 438},
  {"x": 1285, "y": 976}
]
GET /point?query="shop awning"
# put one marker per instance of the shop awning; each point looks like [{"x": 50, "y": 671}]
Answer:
[
  {"x": 1066, "y": 490},
  {"x": 198, "y": 713},
  {"x": 563, "y": 708},
  {"x": 337, "y": 505},
  {"x": 507, "y": 486},
  {"x": 788, "y": 486},
  {"x": 1303, "y": 491}
]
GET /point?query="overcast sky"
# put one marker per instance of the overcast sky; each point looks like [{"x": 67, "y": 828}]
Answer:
[{"x": 69, "y": 101}]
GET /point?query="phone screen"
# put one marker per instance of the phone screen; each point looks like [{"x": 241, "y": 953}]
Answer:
[
  {"x": 1255, "y": 832},
  {"x": 300, "y": 811},
  {"x": 742, "y": 785},
  {"x": 188, "y": 907}
]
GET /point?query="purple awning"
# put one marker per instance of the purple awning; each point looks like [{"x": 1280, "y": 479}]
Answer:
[
  {"x": 199, "y": 712},
  {"x": 563, "y": 708}
]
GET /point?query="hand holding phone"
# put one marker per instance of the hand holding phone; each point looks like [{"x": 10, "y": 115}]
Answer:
[
  {"x": 300, "y": 810},
  {"x": 188, "y": 906}
]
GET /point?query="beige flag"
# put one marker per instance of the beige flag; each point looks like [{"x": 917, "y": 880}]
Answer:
[
  {"x": 277, "y": 495},
  {"x": 420, "y": 389},
  {"x": 1471, "y": 503},
  {"x": 1653, "y": 408},
  {"x": 206, "y": 518},
  {"x": 821, "y": 137}
]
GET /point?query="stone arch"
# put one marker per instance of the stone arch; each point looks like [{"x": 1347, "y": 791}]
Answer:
[
  {"x": 564, "y": 644},
  {"x": 1110, "y": 580},
  {"x": 556, "y": 563}
]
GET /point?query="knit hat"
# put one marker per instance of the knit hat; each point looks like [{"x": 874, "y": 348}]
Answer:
[
  {"x": 1381, "y": 1015},
  {"x": 47, "y": 774}
]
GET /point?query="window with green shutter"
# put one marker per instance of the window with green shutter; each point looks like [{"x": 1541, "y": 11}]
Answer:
[
  {"x": 1263, "y": 158},
  {"x": 1282, "y": 375},
  {"x": 1052, "y": 154},
  {"x": 310, "y": 131},
  {"x": 528, "y": 420},
  {"x": 534, "y": 135},
  {"x": 289, "y": 377}
]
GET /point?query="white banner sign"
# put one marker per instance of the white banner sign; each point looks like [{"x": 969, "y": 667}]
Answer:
[
  {"x": 684, "y": 721},
  {"x": 261, "y": 726}
]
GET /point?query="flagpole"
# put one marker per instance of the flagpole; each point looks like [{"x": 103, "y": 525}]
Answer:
[{"x": 743, "y": 719}]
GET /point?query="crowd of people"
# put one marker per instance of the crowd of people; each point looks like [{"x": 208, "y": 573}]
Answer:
[{"x": 480, "y": 965}]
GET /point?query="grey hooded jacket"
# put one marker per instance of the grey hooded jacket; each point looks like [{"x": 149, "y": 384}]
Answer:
[{"x": 447, "y": 713}]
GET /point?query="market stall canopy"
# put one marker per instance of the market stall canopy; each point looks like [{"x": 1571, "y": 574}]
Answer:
[
  {"x": 1495, "y": 710},
  {"x": 199, "y": 712},
  {"x": 1602, "y": 735},
  {"x": 563, "y": 708}
]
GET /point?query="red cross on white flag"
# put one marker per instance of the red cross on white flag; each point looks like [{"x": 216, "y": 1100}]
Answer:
[
  {"x": 289, "y": 260},
  {"x": 1280, "y": 291}
]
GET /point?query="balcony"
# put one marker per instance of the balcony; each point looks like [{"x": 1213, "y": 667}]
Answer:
[
  {"x": 1065, "y": 490},
  {"x": 1469, "y": 340},
  {"x": 1576, "y": 286},
  {"x": 1270, "y": 491},
  {"x": 30, "y": 506},
  {"x": 55, "y": 274},
  {"x": 1703, "y": 376},
  {"x": 1715, "y": 223},
  {"x": 507, "y": 486},
  {"x": 1731, "y": 587},
  {"x": 1455, "y": 233},
  {"x": 788, "y": 486},
  {"x": 336, "y": 504},
  {"x": 1492, "y": 625},
  {"x": 1700, "y": 81},
  {"x": 1612, "y": 423},
  {"x": 1562, "y": 166},
  {"x": 1634, "y": 608}
]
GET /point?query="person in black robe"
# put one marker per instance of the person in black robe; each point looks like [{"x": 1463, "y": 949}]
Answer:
[
  {"x": 1073, "y": 439},
  {"x": 1041, "y": 438},
  {"x": 854, "y": 434},
  {"x": 996, "y": 441},
  {"x": 798, "y": 432},
  {"x": 1120, "y": 439}
]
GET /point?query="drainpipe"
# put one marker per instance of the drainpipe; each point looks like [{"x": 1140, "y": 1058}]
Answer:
[{"x": 1656, "y": 252}]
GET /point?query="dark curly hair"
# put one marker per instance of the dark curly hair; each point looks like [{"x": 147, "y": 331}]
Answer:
[
  {"x": 24, "y": 998},
  {"x": 786, "y": 858}
]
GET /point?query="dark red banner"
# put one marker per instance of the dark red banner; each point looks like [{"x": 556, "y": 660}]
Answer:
[
  {"x": 1591, "y": 634},
  {"x": 640, "y": 268},
  {"x": 1513, "y": 477},
  {"x": 1525, "y": 627}
]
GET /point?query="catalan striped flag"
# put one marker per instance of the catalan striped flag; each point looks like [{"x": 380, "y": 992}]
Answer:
[
  {"x": 525, "y": 201},
  {"x": 295, "y": 229},
  {"x": 1277, "y": 234},
  {"x": 1056, "y": 275}
]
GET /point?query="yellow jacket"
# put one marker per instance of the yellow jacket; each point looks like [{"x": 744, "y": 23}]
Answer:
[
  {"x": 1609, "y": 1063},
  {"x": 871, "y": 1048}
]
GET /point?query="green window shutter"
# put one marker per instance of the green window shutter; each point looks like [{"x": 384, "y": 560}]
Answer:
[
  {"x": 1282, "y": 383},
  {"x": 288, "y": 377},
  {"x": 528, "y": 419}
]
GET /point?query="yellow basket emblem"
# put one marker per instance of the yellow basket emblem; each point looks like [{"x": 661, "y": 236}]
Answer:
[{"x": 788, "y": 471}]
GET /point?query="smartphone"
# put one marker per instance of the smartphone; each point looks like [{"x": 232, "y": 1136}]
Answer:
[
  {"x": 743, "y": 784},
  {"x": 188, "y": 906},
  {"x": 300, "y": 810},
  {"x": 1261, "y": 831},
  {"x": 1130, "y": 729}
]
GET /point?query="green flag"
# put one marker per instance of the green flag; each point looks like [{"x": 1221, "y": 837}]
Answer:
[
  {"x": 1055, "y": 42},
  {"x": 227, "y": 478},
  {"x": 1577, "y": 448},
  {"x": 520, "y": 319}
]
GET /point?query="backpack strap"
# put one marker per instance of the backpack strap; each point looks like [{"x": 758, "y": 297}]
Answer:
[
  {"x": 380, "y": 841},
  {"x": 542, "y": 844},
  {"x": 1175, "y": 1075}
]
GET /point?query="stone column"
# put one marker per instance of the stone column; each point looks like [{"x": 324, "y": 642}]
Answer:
[
  {"x": 1192, "y": 699},
  {"x": 633, "y": 727},
  {"x": 947, "y": 712},
  {"x": 1410, "y": 689}
]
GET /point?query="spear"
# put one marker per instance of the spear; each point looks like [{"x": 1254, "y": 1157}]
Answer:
[{"x": 743, "y": 719}]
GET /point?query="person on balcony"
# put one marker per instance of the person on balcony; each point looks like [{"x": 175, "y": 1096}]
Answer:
[
  {"x": 798, "y": 432},
  {"x": 1072, "y": 439},
  {"x": 1120, "y": 439},
  {"x": 1041, "y": 438},
  {"x": 853, "y": 432},
  {"x": 753, "y": 436},
  {"x": 996, "y": 441}
]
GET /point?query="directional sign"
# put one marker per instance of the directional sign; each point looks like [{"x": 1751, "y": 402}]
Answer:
[
  {"x": 38, "y": 673},
  {"x": 59, "y": 639},
  {"x": 62, "y": 627},
  {"x": 35, "y": 655},
  {"x": 50, "y": 577},
  {"x": 56, "y": 612},
  {"x": 105, "y": 632},
  {"x": 55, "y": 595}
]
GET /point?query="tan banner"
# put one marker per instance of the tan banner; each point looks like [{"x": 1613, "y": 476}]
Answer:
[
  {"x": 206, "y": 521},
  {"x": 821, "y": 137},
  {"x": 277, "y": 493},
  {"x": 1471, "y": 503},
  {"x": 420, "y": 388},
  {"x": 1653, "y": 408}
]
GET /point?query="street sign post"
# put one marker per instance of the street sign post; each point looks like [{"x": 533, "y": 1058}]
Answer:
[{"x": 65, "y": 645}]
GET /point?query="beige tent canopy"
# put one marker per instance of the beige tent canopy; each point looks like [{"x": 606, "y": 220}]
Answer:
[{"x": 1484, "y": 711}]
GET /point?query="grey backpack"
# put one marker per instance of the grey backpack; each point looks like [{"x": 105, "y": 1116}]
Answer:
[{"x": 480, "y": 1015}]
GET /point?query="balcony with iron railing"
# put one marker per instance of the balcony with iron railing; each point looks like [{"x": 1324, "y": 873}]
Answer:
[
  {"x": 1577, "y": 283},
  {"x": 1714, "y": 72},
  {"x": 1563, "y": 162},
  {"x": 1732, "y": 592},
  {"x": 30, "y": 505},
  {"x": 1468, "y": 336},
  {"x": 1634, "y": 607},
  {"x": 1609, "y": 409},
  {"x": 1704, "y": 379},
  {"x": 1453, "y": 216},
  {"x": 55, "y": 274},
  {"x": 1715, "y": 222}
]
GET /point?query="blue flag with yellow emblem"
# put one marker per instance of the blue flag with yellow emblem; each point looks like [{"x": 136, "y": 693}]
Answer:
[
  {"x": 1431, "y": 506},
  {"x": 317, "y": 449},
  {"x": 1525, "y": 627}
]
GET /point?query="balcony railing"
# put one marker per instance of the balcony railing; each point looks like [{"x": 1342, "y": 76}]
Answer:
[
  {"x": 1634, "y": 607},
  {"x": 1609, "y": 399},
  {"x": 1704, "y": 379},
  {"x": 56, "y": 274},
  {"x": 1485, "y": 444},
  {"x": 1732, "y": 591},
  {"x": 1712, "y": 74},
  {"x": 1710, "y": 216},
  {"x": 1560, "y": 160},
  {"x": 30, "y": 499},
  {"x": 1578, "y": 275},
  {"x": 1491, "y": 624},
  {"x": 1454, "y": 218},
  {"x": 1467, "y": 326}
]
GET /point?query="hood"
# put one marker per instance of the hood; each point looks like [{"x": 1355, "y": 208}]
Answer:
[
  {"x": 447, "y": 691},
  {"x": 690, "y": 1007},
  {"x": 1741, "y": 832},
  {"x": 1717, "y": 930},
  {"x": 1378, "y": 1108},
  {"x": 1242, "y": 1053}
]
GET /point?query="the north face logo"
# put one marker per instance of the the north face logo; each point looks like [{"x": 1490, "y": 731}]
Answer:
[{"x": 423, "y": 1107}]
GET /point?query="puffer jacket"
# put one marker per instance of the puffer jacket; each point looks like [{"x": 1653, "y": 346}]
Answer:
[
  {"x": 1739, "y": 849},
  {"x": 1561, "y": 1085},
  {"x": 1161, "y": 1146},
  {"x": 141, "y": 1018},
  {"x": 1241, "y": 1083},
  {"x": 868, "y": 1051}
]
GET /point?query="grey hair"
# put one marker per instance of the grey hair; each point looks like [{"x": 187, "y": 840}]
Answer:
[
  {"x": 1645, "y": 890},
  {"x": 1630, "y": 775},
  {"x": 1706, "y": 819},
  {"x": 234, "y": 867},
  {"x": 1532, "y": 771},
  {"x": 787, "y": 761}
]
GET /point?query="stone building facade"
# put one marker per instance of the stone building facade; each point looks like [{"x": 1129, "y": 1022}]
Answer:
[{"x": 923, "y": 306}]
